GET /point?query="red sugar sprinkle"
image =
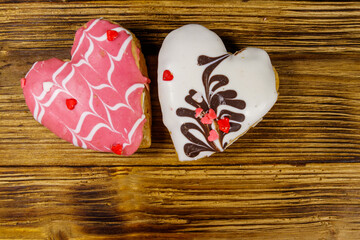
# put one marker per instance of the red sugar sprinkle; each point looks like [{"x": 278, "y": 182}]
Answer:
[
  {"x": 167, "y": 76},
  {"x": 212, "y": 114},
  {"x": 213, "y": 135},
  {"x": 70, "y": 103},
  {"x": 111, "y": 35},
  {"x": 117, "y": 149},
  {"x": 198, "y": 112},
  {"x": 23, "y": 82},
  {"x": 206, "y": 119},
  {"x": 224, "y": 124}
]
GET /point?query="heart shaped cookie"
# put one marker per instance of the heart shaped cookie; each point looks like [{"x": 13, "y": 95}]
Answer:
[
  {"x": 99, "y": 99},
  {"x": 209, "y": 97}
]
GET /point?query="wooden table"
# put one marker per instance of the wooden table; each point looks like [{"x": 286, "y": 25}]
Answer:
[{"x": 295, "y": 176}]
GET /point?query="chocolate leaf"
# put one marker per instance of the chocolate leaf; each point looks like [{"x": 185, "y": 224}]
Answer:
[
  {"x": 234, "y": 127},
  {"x": 202, "y": 60},
  {"x": 192, "y": 150},
  {"x": 224, "y": 98},
  {"x": 239, "y": 117},
  {"x": 221, "y": 79},
  {"x": 184, "y": 112},
  {"x": 185, "y": 129},
  {"x": 239, "y": 104}
]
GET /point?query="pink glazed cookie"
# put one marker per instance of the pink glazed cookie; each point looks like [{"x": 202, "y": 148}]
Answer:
[{"x": 98, "y": 100}]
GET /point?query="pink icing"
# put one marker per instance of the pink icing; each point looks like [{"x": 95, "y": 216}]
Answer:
[
  {"x": 212, "y": 114},
  {"x": 206, "y": 119},
  {"x": 105, "y": 81},
  {"x": 198, "y": 112},
  {"x": 213, "y": 135}
]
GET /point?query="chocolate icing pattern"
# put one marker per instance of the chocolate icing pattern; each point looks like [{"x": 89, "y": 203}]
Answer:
[{"x": 213, "y": 99}]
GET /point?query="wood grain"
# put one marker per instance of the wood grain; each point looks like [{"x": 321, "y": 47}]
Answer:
[
  {"x": 294, "y": 176},
  {"x": 192, "y": 202}
]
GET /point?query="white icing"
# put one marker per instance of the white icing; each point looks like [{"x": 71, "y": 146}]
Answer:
[
  {"x": 250, "y": 74},
  {"x": 47, "y": 86},
  {"x": 197, "y": 97},
  {"x": 134, "y": 127}
]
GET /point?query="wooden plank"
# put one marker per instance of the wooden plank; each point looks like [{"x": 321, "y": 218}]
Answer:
[
  {"x": 319, "y": 201},
  {"x": 276, "y": 26}
]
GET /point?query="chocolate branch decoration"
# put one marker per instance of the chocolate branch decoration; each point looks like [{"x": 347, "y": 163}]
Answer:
[{"x": 210, "y": 102}]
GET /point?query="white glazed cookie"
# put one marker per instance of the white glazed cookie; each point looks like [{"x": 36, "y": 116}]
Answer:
[{"x": 209, "y": 97}]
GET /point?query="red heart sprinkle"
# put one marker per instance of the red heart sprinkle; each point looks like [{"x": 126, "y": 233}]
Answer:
[
  {"x": 198, "y": 112},
  {"x": 206, "y": 119},
  {"x": 111, "y": 35},
  {"x": 212, "y": 114},
  {"x": 23, "y": 82},
  {"x": 167, "y": 76},
  {"x": 117, "y": 149},
  {"x": 70, "y": 103},
  {"x": 213, "y": 135},
  {"x": 224, "y": 124}
]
